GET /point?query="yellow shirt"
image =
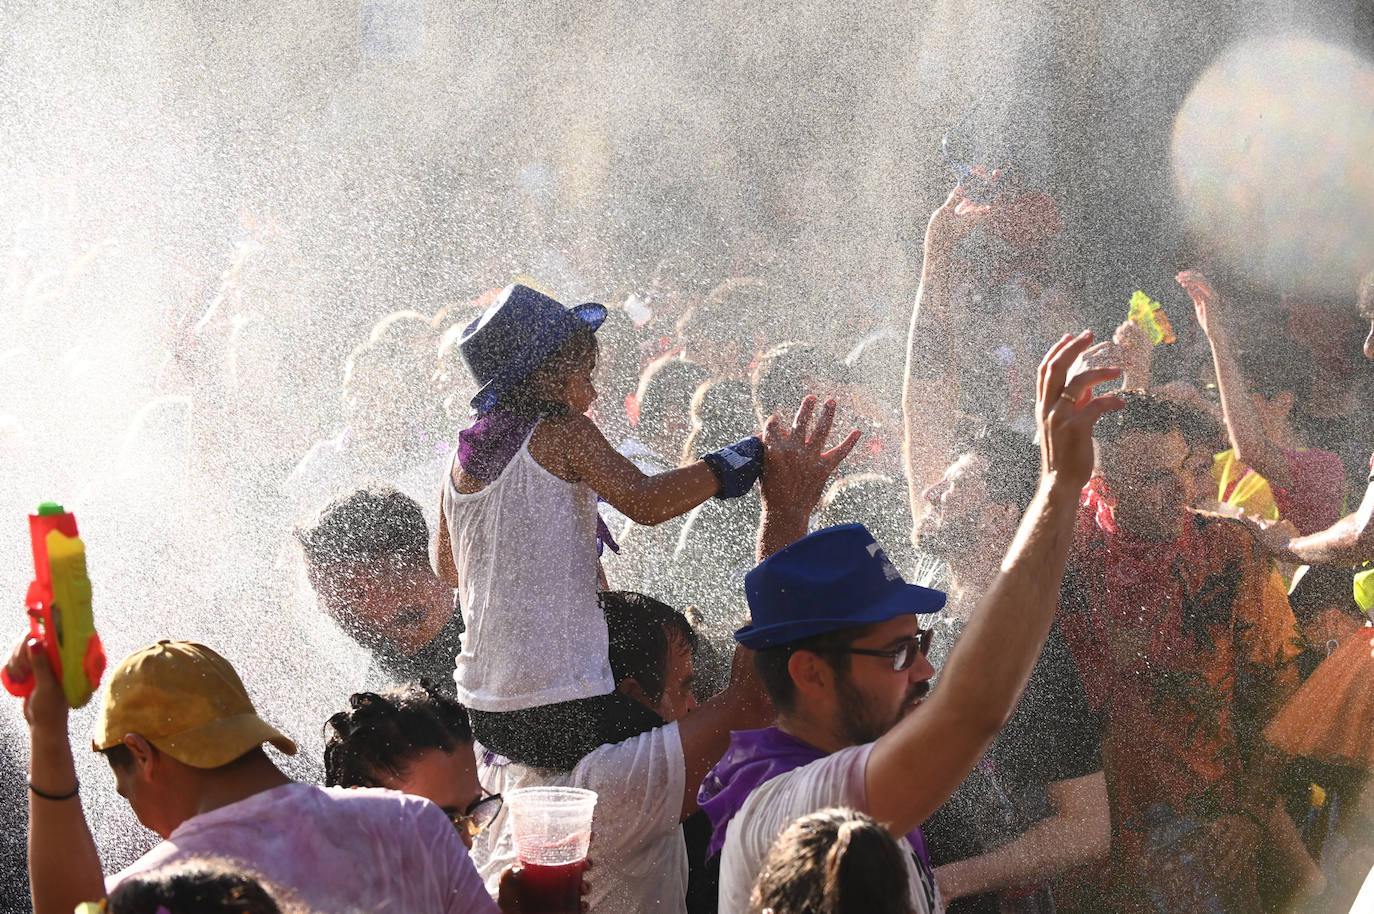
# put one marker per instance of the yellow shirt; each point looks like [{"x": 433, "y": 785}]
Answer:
[{"x": 1252, "y": 492}]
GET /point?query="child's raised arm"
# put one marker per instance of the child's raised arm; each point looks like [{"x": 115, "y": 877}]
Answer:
[{"x": 577, "y": 443}]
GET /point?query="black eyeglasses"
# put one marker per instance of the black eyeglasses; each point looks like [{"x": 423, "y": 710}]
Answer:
[
  {"x": 903, "y": 655},
  {"x": 475, "y": 819}
]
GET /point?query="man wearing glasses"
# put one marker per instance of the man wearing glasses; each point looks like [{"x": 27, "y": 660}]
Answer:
[
  {"x": 647, "y": 785},
  {"x": 865, "y": 667},
  {"x": 839, "y": 651}
]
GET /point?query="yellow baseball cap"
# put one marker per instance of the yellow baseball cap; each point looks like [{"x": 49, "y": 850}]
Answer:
[{"x": 187, "y": 701}]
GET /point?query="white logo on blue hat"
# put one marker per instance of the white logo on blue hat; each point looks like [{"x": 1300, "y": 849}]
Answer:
[{"x": 889, "y": 570}]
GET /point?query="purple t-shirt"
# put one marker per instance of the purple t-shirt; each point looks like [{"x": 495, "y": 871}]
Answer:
[{"x": 336, "y": 850}]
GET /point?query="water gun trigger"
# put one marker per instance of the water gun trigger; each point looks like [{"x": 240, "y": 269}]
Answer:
[
  {"x": 22, "y": 686},
  {"x": 43, "y": 621},
  {"x": 93, "y": 663}
]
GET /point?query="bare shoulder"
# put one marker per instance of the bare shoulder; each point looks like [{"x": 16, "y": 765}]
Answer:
[
  {"x": 464, "y": 482},
  {"x": 555, "y": 439},
  {"x": 560, "y": 433}
]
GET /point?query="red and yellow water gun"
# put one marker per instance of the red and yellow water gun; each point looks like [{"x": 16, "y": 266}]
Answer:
[{"x": 59, "y": 606}]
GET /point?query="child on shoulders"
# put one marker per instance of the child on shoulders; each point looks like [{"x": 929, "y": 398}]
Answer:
[{"x": 520, "y": 533}]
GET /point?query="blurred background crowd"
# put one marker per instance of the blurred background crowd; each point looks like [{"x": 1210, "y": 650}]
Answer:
[{"x": 236, "y": 251}]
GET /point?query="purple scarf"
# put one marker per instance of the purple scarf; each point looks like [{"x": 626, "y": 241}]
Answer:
[
  {"x": 486, "y": 447},
  {"x": 755, "y": 757}
]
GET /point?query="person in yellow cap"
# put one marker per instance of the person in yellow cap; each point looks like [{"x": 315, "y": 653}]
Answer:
[{"x": 186, "y": 748}]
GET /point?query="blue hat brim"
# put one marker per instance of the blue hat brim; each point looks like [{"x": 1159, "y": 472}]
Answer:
[
  {"x": 590, "y": 314},
  {"x": 911, "y": 599}
]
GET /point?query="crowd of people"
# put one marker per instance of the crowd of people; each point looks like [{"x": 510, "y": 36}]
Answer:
[{"x": 828, "y": 623}]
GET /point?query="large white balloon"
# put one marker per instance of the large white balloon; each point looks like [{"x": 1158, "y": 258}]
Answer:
[{"x": 1273, "y": 154}]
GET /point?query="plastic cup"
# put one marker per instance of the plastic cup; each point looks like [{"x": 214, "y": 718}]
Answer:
[{"x": 552, "y": 827}]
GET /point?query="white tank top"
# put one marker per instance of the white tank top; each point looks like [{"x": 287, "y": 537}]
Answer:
[{"x": 525, "y": 551}]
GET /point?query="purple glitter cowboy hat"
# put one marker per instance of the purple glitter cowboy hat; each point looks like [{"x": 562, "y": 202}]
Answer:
[{"x": 520, "y": 330}]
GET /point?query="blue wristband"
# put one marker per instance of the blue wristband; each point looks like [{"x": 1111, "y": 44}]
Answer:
[{"x": 737, "y": 466}]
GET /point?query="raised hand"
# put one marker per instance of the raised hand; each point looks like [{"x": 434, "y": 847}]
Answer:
[
  {"x": 1137, "y": 354},
  {"x": 1067, "y": 408},
  {"x": 46, "y": 706},
  {"x": 1204, "y": 296},
  {"x": 1129, "y": 349},
  {"x": 796, "y": 462},
  {"x": 954, "y": 220}
]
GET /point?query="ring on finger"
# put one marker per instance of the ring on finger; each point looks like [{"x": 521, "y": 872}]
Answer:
[{"x": 1069, "y": 397}]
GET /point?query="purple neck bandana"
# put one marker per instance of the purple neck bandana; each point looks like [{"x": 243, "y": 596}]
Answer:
[
  {"x": 754, "y": 758},
  {"x": 487, "y": 447}
]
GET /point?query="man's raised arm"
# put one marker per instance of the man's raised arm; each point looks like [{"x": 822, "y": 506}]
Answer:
[
  {"x": 1349, "y": 541},
  {"x": 64, "y": 868},
  {"x": 930, "y": 384},
  {"x": 919, "y": 763}
]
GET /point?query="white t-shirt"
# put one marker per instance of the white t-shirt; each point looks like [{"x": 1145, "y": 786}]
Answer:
[
  {"x": 836, "y": 780},
  {"x": 336, "y": 850},
  {"x": 639, "y": 861},
  {"x": 525, "y": 551},
  {"x": 1364, "y": 902}
]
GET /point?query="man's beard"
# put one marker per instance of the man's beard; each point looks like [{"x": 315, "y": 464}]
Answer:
[
  {"x": 860, "y": 722},
  {"x": 1158, "y": 520},
  {"x": 383, "y": 640}
]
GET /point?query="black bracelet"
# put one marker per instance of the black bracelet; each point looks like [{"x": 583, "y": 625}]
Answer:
[
  {"x": 55, "y": 796},
  {"x": 1248, "y": 814}
]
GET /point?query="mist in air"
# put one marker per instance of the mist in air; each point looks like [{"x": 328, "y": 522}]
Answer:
[{"x": 208, "y": 206}]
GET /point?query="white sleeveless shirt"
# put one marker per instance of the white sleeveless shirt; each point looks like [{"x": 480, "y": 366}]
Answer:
[{"x": 525, "y": 551}]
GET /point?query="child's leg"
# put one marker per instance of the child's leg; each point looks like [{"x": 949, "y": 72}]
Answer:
[
  {"x": 558, "y": 736},
  {"x": 620, "y": 717}
]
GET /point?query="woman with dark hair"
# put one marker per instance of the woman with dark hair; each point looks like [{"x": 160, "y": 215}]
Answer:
[
  {"x": 206, "y": 886},
  {"x": 835, "y": 861},
  {"x": 414, "y": 739}
]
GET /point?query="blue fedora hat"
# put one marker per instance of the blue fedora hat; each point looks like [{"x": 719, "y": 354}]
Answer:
[
  {"x": 834, "y": 578},
  {"x": 520, "y": 330}
]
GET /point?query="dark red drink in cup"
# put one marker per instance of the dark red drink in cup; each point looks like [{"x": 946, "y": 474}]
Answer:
[
  {"x": 552, "y": 827},
  {"x": 551, "y": 889}
]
